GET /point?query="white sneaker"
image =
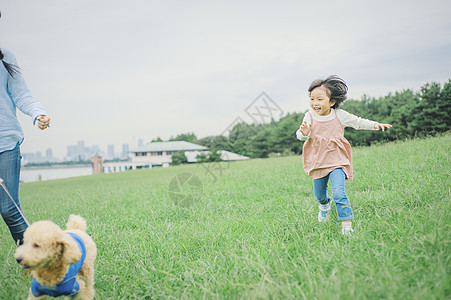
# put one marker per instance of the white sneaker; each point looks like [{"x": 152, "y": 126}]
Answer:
[
  {"x": 324, "y": 212},
  {"x": 347, "y": 230}
]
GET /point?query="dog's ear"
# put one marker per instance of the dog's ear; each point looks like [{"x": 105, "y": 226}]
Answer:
[{"x": 71, "y": 252}]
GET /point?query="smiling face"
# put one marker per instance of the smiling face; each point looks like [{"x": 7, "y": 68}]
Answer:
[{"x": 320, "y": 101}]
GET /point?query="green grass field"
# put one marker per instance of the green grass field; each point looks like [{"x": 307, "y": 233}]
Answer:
[{"x": 253, "y": 233}]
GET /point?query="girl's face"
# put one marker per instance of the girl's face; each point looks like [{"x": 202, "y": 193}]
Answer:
[{"x": 320, "y": 101}]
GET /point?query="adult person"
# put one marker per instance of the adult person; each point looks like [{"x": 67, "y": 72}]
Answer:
[{"x": 14, "y": 94}]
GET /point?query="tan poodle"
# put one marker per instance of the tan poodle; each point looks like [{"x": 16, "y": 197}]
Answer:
[{"x": 62, "y": 262}]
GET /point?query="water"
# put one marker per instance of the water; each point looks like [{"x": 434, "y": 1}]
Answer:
[{"x": 47, "y": 173}]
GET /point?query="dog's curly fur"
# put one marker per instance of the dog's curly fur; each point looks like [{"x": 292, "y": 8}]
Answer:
[{"x": 48, "y": 252}]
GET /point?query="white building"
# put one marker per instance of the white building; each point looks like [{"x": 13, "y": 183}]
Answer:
[{"x": 160, "y": 153}]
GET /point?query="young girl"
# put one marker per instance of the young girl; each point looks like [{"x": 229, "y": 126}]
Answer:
[
  {"x": 14, "y": 94},
  {"x": 327, "y": 153}
]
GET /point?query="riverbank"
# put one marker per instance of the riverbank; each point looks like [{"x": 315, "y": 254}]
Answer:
[
  {"x": 31, "y": 174},
  {"x": 55, "y": 166}
]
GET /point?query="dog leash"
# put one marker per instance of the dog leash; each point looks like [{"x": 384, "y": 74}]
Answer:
[{"x": 15, "y": 204}]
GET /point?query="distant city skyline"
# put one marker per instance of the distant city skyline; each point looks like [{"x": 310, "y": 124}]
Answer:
[{"x": 79, "y": 151}]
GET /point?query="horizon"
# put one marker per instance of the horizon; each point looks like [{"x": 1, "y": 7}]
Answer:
[{"x": 243, "y": 117}]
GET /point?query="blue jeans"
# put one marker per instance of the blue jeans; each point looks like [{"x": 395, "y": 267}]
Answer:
[
  {"x": 337, "y": 181},
  {"x": 10, "y": 172}
]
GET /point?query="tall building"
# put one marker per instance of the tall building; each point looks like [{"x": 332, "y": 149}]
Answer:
[
  {"x": 71, "y": 150},
  {"x": 110, "y": 151},
  {"x": 125, "y": 150},
  {"x": 81, "y": 147},
  {"x": 49, "y": 154},
  {"x": 81, "y": 152}
]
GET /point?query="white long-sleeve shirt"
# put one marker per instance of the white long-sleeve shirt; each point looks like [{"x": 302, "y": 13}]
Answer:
[{"x": 346, "y": 119}]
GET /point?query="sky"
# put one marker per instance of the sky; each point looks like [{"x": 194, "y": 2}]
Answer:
[{"x": 114, "y": 72}]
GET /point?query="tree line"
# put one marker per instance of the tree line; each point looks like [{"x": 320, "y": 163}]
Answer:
[{"x": 412, "y": 114}]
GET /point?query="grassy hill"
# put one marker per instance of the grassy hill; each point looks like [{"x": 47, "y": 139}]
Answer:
[{"x": 249, "y": 229}]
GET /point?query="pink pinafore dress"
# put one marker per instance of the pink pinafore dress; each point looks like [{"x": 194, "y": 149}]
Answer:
[{"x": 327, "y": 149}]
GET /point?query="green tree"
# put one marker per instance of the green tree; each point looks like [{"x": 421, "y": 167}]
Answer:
[
  {"x": 431, "y": 115},
  {"x": 403, "y": 104},
  {"x": 179, "y": 158},
  {"x": 444, "y": 106},
  {"x": 202, "y": 158},
  {"x": 214, "y": 155},
  {"x": 283, "y": 135},
  {"x": 187, "y": 137},
  {"x": 216, "y": 142},
  {"x": 361, "y": 108},
  {"x": 259, "y": 146},
  {"x": 240, "y": 136}
]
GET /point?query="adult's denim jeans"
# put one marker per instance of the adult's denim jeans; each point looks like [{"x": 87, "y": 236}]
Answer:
[
  {"x": 10, "y": 172},
  {"x": 337, "y": 180}
]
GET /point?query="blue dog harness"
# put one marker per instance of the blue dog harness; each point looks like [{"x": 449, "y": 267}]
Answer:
[{"x": 69, "y": 286}]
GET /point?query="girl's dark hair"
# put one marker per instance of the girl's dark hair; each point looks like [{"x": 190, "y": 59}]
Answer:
[
  {"x": 336, "y": 89},
  {"x": 12, "y": 69}
]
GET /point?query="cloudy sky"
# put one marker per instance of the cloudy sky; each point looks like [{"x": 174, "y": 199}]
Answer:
[{"x": 113, "y": 72}]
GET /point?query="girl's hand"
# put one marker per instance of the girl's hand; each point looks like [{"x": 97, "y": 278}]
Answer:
[
  {"x": 43, "y": 122},
  {"x": 382, "y": 126},
  {"x": 305, "y": 128}
]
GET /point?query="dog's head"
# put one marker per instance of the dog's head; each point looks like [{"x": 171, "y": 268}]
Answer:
[{"x": 46, "y": 245}]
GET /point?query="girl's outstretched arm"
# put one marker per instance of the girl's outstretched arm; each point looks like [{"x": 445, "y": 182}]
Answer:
[
  {"x": 305, "y": 128},
  {"x": 382, "y": 126}
]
